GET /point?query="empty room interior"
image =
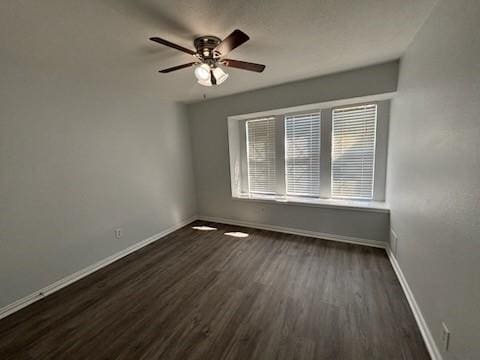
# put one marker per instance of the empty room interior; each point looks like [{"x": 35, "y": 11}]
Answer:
[{"x": 240, "y": 179}]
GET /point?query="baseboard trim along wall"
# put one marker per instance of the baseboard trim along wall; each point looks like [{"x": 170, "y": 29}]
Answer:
[
  {"x": 60, "y": 284},
  {"x": 425, "y": 331},
  {"x": 50, "y": 289},
  {"x": 340, "y": 238},
  {"x": 422, "y": 324}
]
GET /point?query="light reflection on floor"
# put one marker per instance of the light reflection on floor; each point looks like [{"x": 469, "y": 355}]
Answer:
[
  {"x": 237, "y": 234},
  {"x": 204, "y": 228}
]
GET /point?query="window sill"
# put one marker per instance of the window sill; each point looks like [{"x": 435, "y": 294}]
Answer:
[{"x": 358, "y": 205}]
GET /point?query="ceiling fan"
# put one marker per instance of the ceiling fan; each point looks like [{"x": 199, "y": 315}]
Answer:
[{"x": 210, "y": 52}]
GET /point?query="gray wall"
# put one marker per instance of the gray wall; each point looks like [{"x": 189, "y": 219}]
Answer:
[
  {"x": 434, "y": 173},
  {"x": 80, "y": 155},
  {"x": 210, "y": 150}
]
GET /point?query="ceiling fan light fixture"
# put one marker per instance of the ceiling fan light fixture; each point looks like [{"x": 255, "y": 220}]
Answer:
[{"x": 202, "y": 73}]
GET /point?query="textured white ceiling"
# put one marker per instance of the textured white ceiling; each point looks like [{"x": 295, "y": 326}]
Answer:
[{"x": 107, "y": 40}]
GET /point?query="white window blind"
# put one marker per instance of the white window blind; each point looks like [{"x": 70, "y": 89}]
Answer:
[
  {"x": 353, "y": 151},
  {"x": 302, "y": 154},
  {"x": 261, "y": 156}
]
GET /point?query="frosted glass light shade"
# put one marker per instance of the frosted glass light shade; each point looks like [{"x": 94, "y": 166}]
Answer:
[
  {"x": 204, "y": 75},
  {"x": 202, "y": 72},
  {"x": 220, "y": 75}
]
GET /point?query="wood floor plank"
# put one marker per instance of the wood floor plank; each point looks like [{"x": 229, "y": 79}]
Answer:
[{"x": 204, "y": 295}]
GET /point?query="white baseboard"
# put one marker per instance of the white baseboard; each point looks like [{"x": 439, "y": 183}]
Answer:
[
  {"x": 50, "y": 289},
  {"x": 422, "y": 324},
  {"x": 340, "y": 238},
  {"x": 425, "y": 331}
]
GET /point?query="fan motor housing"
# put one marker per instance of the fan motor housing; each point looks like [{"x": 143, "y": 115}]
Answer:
[{"x": 205, "y": 46}]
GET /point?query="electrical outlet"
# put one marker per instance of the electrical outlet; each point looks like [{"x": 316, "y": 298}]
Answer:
[
  {"x": 393, "y": 241},
  {"x": 118, "y": 233},
  {"x": 445, "y": 337}
]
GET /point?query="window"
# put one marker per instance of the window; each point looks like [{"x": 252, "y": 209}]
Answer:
[
  {"x": 261, "y": 156},
  {"x": 311, "y": 153},
  {"x": 302, "y": 154},
  {"x": 353, "y": 151}
]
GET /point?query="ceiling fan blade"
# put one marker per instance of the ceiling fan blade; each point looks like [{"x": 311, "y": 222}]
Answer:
[
  {"x": 178, "y": 67},
  {"x": 232, "y": 41},
  {"x": 243, "y": 65},
  {"x": 172, "y": 45}
]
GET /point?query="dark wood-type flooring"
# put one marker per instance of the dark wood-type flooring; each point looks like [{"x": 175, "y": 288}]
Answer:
[{"x": 203, "y": 295}]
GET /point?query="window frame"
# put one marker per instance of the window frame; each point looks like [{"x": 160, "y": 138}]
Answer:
[
  {"x": 284, "y": 140},
  {"x": 374, "y": 151},
  {"x": 247, "y": 155},
  {"x": 325, "y": 109}
]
